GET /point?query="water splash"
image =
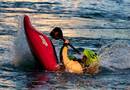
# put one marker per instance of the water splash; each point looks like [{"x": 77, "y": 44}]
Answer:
[
  {"x": 115, "y": 55},
  {"x": 23, "y": 55}
]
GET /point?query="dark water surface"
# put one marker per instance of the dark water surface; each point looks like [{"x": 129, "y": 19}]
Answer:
[{"x": 101, "y": 25}]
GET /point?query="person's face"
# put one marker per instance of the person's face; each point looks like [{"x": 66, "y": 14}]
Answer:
[{"x": 56, "y": 35}]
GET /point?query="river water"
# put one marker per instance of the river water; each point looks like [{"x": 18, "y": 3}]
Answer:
[{"x": 101, "y": 25}]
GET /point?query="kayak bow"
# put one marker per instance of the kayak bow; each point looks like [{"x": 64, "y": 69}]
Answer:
[{"x": 41, "y": 46}]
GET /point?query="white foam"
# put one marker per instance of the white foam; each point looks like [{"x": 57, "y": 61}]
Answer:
[
  {"x": 21, "y": 48},
  {"x": 116, "y": 55}
]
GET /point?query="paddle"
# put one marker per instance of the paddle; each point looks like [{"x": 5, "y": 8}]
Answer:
[{"x": 56, "y": 33}]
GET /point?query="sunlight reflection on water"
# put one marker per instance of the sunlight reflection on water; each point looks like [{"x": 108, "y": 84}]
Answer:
[{"x": 88, "y": 24}]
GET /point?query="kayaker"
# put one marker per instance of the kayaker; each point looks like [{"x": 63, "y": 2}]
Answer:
[
  {"x": 88, "y": 60},
  {"x": 87, "y": 63}
]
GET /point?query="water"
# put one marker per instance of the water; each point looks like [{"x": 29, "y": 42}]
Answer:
[{"x": 101, "y": 25}]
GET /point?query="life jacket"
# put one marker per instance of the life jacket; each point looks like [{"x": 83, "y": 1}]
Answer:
[{"x": 70, "y": 65}]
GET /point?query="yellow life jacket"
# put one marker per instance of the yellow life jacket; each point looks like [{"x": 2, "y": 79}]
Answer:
[{"x": 70, "y": 65}]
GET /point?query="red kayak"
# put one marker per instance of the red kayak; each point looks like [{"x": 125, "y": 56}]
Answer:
[{"x": 41, "y": 46}]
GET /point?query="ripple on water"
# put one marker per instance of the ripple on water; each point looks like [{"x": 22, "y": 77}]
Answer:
[{"x": 90, "y": 24}]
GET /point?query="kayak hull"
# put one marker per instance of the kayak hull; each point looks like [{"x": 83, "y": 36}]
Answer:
[{"x": 41, "y": 46}]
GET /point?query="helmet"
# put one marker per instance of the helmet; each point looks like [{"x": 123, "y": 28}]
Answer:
[
  {"x": 91, "y": 56},
  {"x": 56, "y": 33}
]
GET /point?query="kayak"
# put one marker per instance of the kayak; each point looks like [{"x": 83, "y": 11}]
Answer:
[
  {"x": 70, "y": 65},
  {"x": 74, "y": 66},
  {"x": 40, "y": 46}
]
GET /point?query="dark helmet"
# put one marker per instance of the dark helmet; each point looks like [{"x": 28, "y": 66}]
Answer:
[{"x": 56, "y": 33}]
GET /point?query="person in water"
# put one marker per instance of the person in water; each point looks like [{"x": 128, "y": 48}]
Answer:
[{"x": 88, "y": 62}]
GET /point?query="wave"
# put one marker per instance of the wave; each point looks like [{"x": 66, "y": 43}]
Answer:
[
  {"x": 115, "y": 56},
  {"x": 23, "y": 58},
  {"x": 90, "y": 9},
  {"x": 111, "y": 14}
]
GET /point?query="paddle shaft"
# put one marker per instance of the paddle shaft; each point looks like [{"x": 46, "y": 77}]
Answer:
[
  {"x": 77, "y": 51},
  {"x": 56, "y": 33}
]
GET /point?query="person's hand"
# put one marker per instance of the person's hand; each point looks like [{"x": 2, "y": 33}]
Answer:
[
  {"x": 61, "y": 68},
  {"x": 66, "y": 41}
]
